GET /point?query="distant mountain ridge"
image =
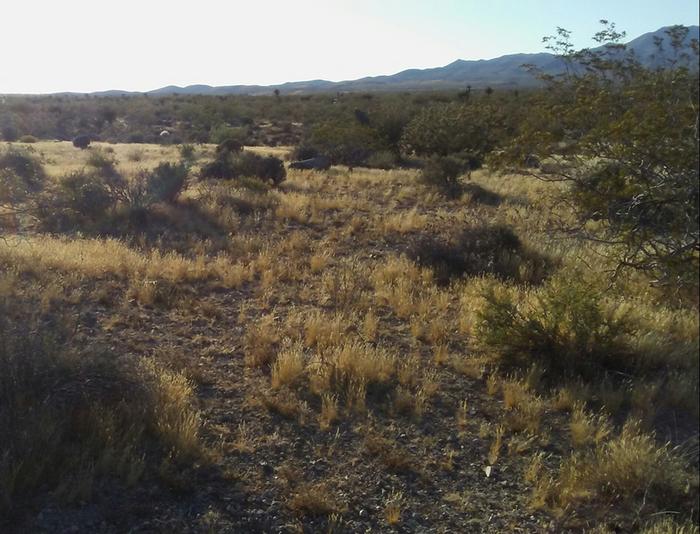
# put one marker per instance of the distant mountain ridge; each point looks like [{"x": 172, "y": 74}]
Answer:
[{"x": 504, "y": 71}]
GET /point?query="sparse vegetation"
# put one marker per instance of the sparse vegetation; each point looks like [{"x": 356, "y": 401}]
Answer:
[{"x": 246, "y": 347}]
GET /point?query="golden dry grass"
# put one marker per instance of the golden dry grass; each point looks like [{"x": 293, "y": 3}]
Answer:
[{"x": 305, "y": 313}]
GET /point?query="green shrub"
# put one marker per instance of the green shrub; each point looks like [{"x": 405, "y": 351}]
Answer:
[
  {"x": 166, "y": 181},
  {"x": 384, "y": 159},
  {"x": 27, "y": 139},
  {"x": 347, "y": 144},
  {"x": 79, "y": 199},
  {"x": 188, "y": 153},
  {"x": 222, "y": 133},
  {"x": 443, "y": 172},
  {"x": 566, "y": 330},
  {"x": 20, "y": 174},
  {"x": 228, "y": 165},
  {"x": 103, "y": 162},
  {"x": 480, "y": 250}
]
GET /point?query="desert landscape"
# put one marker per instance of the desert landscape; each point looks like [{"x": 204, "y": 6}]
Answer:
[{"x": 475, "y": 310}]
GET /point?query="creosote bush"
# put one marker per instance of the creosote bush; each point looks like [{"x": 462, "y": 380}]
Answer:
[
  {"x": 77, "y": 200},
  {"x": 230, "y": 164},
  {"x": 21, "y": 174},
  {"x": 565, "y": 328},
  {"x": 481, "y": 250}
]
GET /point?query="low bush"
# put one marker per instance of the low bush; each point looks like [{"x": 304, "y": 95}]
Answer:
[
  {"x": 383, "y": 159},
  {"x": 442, "y": 173},
  {"x": 81, "y": 141},
  {"x": 21, "y": 173},
  {"x": 188, "y": 153},
  {"x": 564, "y": 328},
  {"x": 480, "y": 250},
  {"x": 27, "y": 139},
  {"x": 166, "y": 181},
  {"x": 229, "y": 165}
]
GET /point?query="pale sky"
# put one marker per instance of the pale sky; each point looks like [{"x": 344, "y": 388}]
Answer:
[{"x": 80, "y": 45}]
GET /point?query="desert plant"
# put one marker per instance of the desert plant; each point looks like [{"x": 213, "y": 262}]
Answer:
[
  {"x": 443, "y": 173},
  {"x": 70, "y": 416},
  {"x": 480, "y": 250},
  {"x": 81, "y": 141},
  {"x": 625, "y": 139},
  {"x": 566, "y": 330},
  {"x": 166, "y": 181},
  {"x": 228, "y": 165},
  {"x": 21, "y": 174}
]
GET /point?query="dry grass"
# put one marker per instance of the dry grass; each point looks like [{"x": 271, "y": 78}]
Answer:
[
  {"x": 289, "y": 366},
  {"x": 317, "y": 334}
]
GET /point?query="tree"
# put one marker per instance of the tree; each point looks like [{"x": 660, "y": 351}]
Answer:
[{"x": 625, "y": 139}]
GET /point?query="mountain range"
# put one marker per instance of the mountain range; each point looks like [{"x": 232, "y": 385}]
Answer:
[{"x": 504, "y": 72}]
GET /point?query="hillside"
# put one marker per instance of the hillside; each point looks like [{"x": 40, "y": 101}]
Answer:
[{"x": 504, "y": 71}]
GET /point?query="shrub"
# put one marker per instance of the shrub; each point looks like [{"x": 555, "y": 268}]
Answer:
[
  {"x": 27, "y": 139},
  {"x": 228, "y": 165},
  {"x": 223, "y": 133},
  {"x": 81, "y": 141},
  {"x": 443, "y": 172},
  {"x": 79, "y": 198},
  {"x": 565, "y": 329},
  {"x": 480, "y": 250},
  {"x": 627, "y": 468},
  {"x": 229, "y": 145},
  {"x": 166, "y": 181},
  {"x": 453, "y": 128},
  {"x": 103, "y": 163},
  {"x": 384, "y": 159},
  {"x": 347, "y": 144},
  {"x": 20, "y": 174},
  {"x": 188, "y": 153}
]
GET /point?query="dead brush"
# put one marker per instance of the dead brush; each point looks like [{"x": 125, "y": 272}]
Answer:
[
  {"x": 289, "y": 366},
  {"x": 113, "y": 417},
  {"x": 394, "y": 458},
  {"x": 322, "y": 331},
  {"x": 314, "y": 500},
  {"x": 259, "y": 342},
  {"x": 329, "y": 411},
  {"x": 392, "y": 508},
  {"x": 587, "y": 429},
  {"x": 626, "y": 468}
]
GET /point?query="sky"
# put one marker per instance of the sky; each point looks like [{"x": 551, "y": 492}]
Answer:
[{"x": 83, "y": 46}]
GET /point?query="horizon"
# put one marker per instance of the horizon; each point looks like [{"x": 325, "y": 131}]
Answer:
[{"x": 167, "y": 45}]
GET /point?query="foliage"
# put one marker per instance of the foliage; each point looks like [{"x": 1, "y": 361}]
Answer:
[
  {"x": 345, "y": 143},
  {"x": 443, "y": 172},
  {"x": 454, "y": 128},
  {"x": 78, "y": 198},
  {"x": 228, "y": 165},
  {"x": 21, "y": 173},
  {"x": 565, "y": 329},
  {"x": 223, "y": 133},
  {"x": 164, "y": 183},
  {"x": 626, "y": 140},
  {"x": 81, "y": 141}
]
